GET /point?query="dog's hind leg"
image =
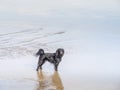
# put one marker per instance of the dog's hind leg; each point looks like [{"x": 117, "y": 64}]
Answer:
[
  {"x": 41, "y": 62},
  {"x": 37, "y": 68}
]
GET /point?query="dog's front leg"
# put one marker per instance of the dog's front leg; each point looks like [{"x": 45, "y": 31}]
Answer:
[
  {"x": 56, "y": 66},
  {"x": 56, "y": 63}
]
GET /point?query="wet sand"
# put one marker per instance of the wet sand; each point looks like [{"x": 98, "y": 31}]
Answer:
[
  {"x": 49, "y": 82},
  {"x": 53, "y": 81},
  {"x": 21, "y": 75},
  {"x": 43, "y": 81}
]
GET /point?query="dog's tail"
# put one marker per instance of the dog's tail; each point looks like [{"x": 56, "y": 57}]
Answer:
[{"x": 40, "y": 52}]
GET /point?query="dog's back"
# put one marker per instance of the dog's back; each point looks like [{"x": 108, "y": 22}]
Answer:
[{"x": 50, "y": 57}]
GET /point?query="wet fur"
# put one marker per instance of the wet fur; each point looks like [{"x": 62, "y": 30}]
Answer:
[{"x": 54, "y": 58}]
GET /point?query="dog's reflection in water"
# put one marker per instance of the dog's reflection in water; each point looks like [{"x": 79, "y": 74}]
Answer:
[{"x": 49, "y": 82}]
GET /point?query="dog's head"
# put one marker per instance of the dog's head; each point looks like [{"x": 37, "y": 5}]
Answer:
[
  {"x": 40, "y": 52},
  {"x": 59, "y": 52}
]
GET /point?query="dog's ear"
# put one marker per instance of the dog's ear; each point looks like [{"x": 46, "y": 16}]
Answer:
[
  {"x": 40, "y": 52},
  {"x": 59, "y": 52}
]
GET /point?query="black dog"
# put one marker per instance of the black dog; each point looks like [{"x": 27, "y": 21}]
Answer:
[{"x": 53, "y": 58}]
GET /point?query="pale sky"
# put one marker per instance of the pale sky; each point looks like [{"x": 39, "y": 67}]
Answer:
[
  {"x": 60, "y": 8},
  {"x": 47, "y": 7},
  {"x": 65, "y": 13}
]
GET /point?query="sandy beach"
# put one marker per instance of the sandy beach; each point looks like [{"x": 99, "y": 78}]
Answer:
[
  {"x": 22, "y": 75},
  {"x": 85, "y": 66}
]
